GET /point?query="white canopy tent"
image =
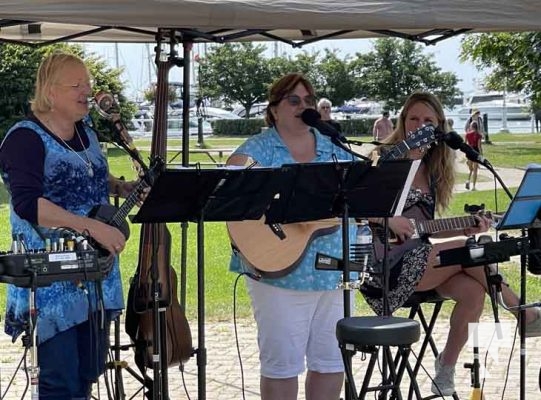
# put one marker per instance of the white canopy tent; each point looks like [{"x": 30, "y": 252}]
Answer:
[{"x": 293, "y": 21}]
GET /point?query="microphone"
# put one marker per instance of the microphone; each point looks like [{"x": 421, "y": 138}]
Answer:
[
  {"x": 108, "y": 108},
  {"x": 455, "y": 141},
  {"x": 105, "y": 104},
  {"x": 312, "y": 118}
]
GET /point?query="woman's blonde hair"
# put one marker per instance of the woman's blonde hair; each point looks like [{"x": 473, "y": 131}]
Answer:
[
  {"x": 48, "y": 73},
  {"x": 439, "y": 159},
  {"x": 281, "y": 88}
]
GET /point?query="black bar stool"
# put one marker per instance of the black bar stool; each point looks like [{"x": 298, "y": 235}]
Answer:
[
  {"x": 368, "y": 335},
  {"x": 415, "y": 304}
]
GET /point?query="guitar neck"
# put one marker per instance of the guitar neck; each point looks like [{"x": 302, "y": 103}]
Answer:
[
  {"x": 446, "y": 224},
  {"x": 128, "y": 204}
]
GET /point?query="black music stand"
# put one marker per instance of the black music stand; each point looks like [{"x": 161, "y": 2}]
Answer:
[
  {"x": 343, "y": 189},
  {"x": 522, "y": 213},
  {"x": 199, "y": 195}
]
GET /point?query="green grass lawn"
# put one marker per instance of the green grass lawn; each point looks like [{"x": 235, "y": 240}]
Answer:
[{"x": 219, "y": 283}]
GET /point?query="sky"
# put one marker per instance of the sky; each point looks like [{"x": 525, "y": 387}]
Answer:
[{"x": 137, "y": 60}]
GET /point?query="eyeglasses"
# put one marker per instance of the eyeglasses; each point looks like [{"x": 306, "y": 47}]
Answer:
[
  {"x": 325, "y": 107},
  {"x": 295, "y": 100},
  {"x": 78, "y": 85}
]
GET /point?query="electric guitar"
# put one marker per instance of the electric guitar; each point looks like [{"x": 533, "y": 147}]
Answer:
[
  {"x": 275, "y": 250},
  {"x": 116, "y": 216}
]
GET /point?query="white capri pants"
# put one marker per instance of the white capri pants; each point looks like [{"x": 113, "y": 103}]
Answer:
[{"x": 293, "y": 325}]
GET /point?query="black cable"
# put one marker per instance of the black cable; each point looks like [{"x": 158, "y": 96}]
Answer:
[
  {"x": 26, "y": 375},
  {"x": 509, "y": 360},
  {"x": 243, "y": 390},
  {"x": 21, "y": 362}
]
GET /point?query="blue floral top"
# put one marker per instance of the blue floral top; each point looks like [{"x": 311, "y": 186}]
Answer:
[
  {"x": 268, "y": 150},
  {"x": 67, "y": 183}
]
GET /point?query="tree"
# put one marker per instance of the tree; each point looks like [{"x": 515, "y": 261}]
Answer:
[
  {"x": 235, "y": 73},
  {"x": 514, "y": 60},
  {"x": 18, "y": 67},
  {"x": 396, "y": 68},
  {"x": 150, "y": 93},
  {"x": 338, "y": 80}
]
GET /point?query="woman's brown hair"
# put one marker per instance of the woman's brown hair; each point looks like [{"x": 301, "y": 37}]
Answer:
[{"x": 281, "y": 88}]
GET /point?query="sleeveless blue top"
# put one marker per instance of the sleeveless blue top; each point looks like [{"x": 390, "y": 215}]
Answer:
[
  {"x": 269, "y": 150},
  {"x": 66, "y": 182}
]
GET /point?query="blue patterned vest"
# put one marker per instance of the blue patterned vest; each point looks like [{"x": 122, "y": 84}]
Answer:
[{"x": 66, "y": 183}]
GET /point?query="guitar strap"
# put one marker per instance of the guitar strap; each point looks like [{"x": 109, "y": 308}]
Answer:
[{"x": 420, "y": 210}]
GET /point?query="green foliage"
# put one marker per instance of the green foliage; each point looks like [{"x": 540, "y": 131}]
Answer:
[
  {"x": 18, "y": 67},
  {"x": 337, "y": 81},
  {"x": 514, "y": 60},
  {"x": 396, "y": 68},
  {"x": 357, "y": 126},
  {"x": 237, "y": 127},
  {"x": 235, "y": 73},
  {"x": 248, "y": 127},
  {"x": 149, "y": 93}
]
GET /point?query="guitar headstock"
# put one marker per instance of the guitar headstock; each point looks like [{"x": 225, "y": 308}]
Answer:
[{"x": 421, "y": 137}]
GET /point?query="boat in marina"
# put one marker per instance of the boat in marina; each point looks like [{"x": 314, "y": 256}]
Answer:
[
  {"x": 504, "y": 111},
  {"x": 495, "y": 110}
]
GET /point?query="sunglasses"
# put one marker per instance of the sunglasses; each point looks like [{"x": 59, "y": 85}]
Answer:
[
  {"x": 325, "y": 107},
  {"x": 294, "y": 100}
]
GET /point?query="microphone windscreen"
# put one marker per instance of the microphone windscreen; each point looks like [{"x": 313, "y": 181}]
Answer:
[
  {"x": 310, "y": 117},
  {"x": 105, "y": 101},
  {"x": 453, "y": 140}
]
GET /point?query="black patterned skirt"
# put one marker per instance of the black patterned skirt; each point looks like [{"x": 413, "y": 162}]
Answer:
[{"x": 404, "y": 278}]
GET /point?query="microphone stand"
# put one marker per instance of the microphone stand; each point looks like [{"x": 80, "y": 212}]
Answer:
[
  {"x": 360, "y": 142},
  {"x": 341, "y": 142},
  {"x": 521, "y": 308}
]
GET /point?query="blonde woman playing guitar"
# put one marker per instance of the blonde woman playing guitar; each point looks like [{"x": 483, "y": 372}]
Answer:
[{"x": 416, "y": 269}]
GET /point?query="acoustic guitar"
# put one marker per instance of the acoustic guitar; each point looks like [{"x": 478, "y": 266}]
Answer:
[
  {"x": 422, "y": 228},
  {"x": 274, "y": 250}
]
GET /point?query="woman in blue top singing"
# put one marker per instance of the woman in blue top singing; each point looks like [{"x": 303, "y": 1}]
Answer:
[
  {"x": 296, "y": 314},
  {"x": 55, "y": 173}
]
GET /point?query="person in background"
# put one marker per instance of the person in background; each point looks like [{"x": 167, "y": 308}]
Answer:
[
  {"x": 324, "y": 107},
  {"x": 537, "y": 116},
  {"x": 55, "y": 174},
  {"x": 450, "y": 123},
  {"x": 475, "y": 117},
  {"x": 296, "y": 314},
  {"x": 474, "y": 139},
  {"x": 383, "y": 127},
  {"x": 417, "y": 269}
]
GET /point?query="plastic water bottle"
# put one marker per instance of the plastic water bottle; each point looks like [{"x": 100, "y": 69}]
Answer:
[{"x": 364, "y": 250}]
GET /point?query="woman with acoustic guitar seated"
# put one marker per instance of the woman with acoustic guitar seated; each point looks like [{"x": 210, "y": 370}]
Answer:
[
  {"x": 55, "y": 173},
  {"x": 431, "y": 190},
  {"x": 296, "y": 314}
]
